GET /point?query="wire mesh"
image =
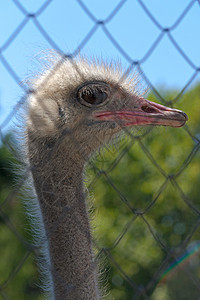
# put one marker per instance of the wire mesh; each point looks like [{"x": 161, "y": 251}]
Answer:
[{"x": 171, "y": 255}]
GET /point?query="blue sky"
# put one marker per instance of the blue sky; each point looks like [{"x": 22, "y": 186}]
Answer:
[{"x": 67, "y": 24}]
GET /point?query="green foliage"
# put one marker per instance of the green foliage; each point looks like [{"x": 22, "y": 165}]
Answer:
[
  {"x": 140, "y": 180},
  {"x": 130, "y": 186},
  {"x": 18, "y": 274}
]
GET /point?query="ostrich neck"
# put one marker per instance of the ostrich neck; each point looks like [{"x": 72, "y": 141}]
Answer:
[{"x": 58, "y": 181}]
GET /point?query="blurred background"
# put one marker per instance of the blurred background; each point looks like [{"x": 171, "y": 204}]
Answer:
[{"x": 150, "y": 251}]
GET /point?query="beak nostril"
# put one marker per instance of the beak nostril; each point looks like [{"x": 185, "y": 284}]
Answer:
[{"x": 148, "y": 109}]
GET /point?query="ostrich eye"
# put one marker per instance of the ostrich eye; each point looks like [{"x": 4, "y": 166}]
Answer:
[
  {"x": 94, "y": 97},
  {"x": 93, "y": 94}
]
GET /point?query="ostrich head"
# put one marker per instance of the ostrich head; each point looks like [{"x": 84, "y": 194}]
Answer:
[{"x": 89, "y": 103}]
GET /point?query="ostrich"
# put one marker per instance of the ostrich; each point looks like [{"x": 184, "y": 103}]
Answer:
[{"x": 75, "y": 108}]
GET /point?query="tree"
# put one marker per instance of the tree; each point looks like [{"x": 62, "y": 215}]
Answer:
[{"x": 137, "y": 179}]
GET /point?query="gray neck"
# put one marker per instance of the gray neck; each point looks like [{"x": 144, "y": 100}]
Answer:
[{"x": 58, "y": 182}]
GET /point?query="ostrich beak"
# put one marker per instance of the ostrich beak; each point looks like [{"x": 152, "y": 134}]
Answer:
[{"x": 146, "y": 113}]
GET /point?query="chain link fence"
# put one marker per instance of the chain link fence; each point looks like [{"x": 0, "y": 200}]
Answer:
[{"x": 141, "y": 221}]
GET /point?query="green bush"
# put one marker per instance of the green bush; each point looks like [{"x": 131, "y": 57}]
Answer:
[{"x": 148, "y": 170}]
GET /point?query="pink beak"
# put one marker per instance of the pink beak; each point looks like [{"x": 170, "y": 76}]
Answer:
[{"x": 147, "y": 113}]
